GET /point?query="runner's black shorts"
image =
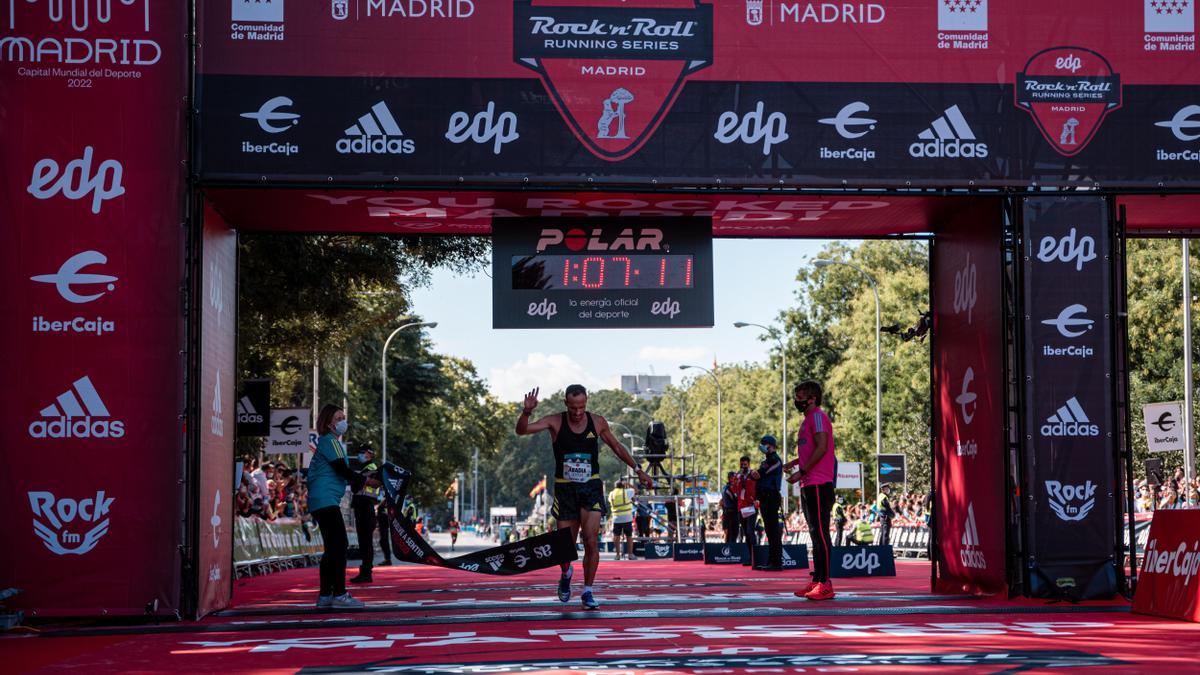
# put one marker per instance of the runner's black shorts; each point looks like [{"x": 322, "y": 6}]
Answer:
[
  {"x": 623, "y": 529},
  {"x": 571, "y": 498}
]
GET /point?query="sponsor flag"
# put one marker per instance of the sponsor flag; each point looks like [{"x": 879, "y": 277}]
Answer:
[
  {"x": 1170, "y": 16},
  {"x": 535, "y": 553},
  {"x": 539, "y": 488},
  {"x": 962, "y": 15}
]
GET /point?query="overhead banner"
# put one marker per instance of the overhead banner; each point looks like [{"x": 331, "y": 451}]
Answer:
[
  {"x": 1164, "y": 426},
  {"x": 664, "y": 93},
  {"x": 968, "y": 363},
  {"x": 602, "y": 273},
  {"x": 1068, "y": 406},
  {"x": 91, "y": 256}
]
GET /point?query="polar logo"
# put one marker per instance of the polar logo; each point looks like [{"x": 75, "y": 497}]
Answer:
[
  {"x": 1071, "y": 502},
  {"x": 575, "y": 239},
  {"x": 51, "y": 516},
  {"x": 77, "y": 180},
  {"x": 667, "y": 307},
  {"x": 966, "y": 289},
  {"x": 1068, "y": 250},
  {"x": 544, "y": 308},
  {"x": 752, "y": 128},
  {"x": 484, "y": 127},
  {"x": 1069, "y": 62},
  {"x": 71, "y": 273},
  {"x": 867, "y": 562}
]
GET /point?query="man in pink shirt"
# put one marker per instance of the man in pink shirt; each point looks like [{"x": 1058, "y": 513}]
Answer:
[{"x": 815, "y": 466}]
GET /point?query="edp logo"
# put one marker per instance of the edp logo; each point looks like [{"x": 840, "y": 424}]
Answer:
[
  {"x": 965, "y": 293},
  {"x": 1069, "y": 62},
  {"x": 77, "y": 180},
  {"x": 1068, "y": 250},
  {"x": 668, "y": 308},
  {"x": 752, "y": 128},
  {"x": 869, "y": 562},
  {"x": 544, "y": 308},
  {"x": 484, "y": 127}
]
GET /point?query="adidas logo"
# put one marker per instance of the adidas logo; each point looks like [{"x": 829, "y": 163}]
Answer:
[
  {"x": 376, "y": 133},
  {"x": 970, "y": 554},
  {"x": 949, "y": 136},
  {"x": 1070, "y": 420},
  {"x": 77, "y": 413},
  {"x": 246, "y": 413}
]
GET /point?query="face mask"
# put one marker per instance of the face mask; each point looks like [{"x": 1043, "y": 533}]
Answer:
[
  {"x": 801, "y": 405},
  {"x": 362, "y": 458},
  {"x": 764, "y": 448},
  {"x": 340, "y": 428}
]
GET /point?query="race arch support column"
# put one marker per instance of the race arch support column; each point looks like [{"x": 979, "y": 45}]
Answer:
[
  {"x": 968, "y": 373},
  {"x": 1070, "y": 422}
]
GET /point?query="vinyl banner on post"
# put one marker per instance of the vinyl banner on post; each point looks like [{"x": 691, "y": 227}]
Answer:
[
  {"x": 91, "y": 248},
  {"x": 1068, "y": 408},
  {"x": 697, "y": 92},
  {"x": 968, "y": 362},
  {"x": 891, "y": 469},
  {"x": 219, "y": 411},
  {"x": 1169, "y": 583}
]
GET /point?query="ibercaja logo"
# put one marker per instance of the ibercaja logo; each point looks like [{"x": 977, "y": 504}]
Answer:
[
  {"x": 613, "y": 67},
  {"x": 1068, "y": 91}
]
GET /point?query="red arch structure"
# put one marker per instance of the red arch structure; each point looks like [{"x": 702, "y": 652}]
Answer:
[{"x": 1029, "y": 139}]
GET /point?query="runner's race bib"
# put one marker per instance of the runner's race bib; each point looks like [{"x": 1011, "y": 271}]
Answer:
[{"x": 577, "y": 468}]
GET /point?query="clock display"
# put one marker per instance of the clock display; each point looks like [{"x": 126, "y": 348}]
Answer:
[{"x": 608, "y": 272}]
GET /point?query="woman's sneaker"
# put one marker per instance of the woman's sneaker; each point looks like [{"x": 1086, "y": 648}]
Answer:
[
  {"x": 324, "y": 601},
  {"x": 822, "y": 591},
  {"x": 806, "y": 589},
  {"x": 588, "y": 601},
  {"x": 347, "y": 601}
]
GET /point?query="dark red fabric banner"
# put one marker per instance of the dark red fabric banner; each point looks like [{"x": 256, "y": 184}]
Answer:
[
  {"x": 969, "y": 375},
  {"x": 91, "y": 244},
  {"x": 216, "y": 405},
  {"x": 1169, "y": 583}
]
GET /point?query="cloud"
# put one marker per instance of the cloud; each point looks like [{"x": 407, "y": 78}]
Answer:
[
  {"x": 550, "y": 372},
  {"x": 675, "y": 355}
]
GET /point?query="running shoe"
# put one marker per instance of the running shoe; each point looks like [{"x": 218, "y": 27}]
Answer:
[
  {"x": 806, "y": 589},
  {"x": 822, "y": 591},
  {"x": 564, "y": 588},
  {"x": 346, "y": 601},
  {"x": 588, "y": 601},
  {"x": 324, "y": 601}
]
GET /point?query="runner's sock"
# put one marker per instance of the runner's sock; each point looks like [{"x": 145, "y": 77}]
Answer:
[
  {"x": 587, "y": 589},
  {"x": 569, "y": 573}
]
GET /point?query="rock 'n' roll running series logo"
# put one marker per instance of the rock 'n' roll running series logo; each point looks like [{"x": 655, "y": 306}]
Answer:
[
  {"x": 612, "y": 70},
  {"x": 1068, "y": 91}
]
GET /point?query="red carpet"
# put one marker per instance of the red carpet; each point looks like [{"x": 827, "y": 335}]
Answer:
[{"x": 656, "y": 617}]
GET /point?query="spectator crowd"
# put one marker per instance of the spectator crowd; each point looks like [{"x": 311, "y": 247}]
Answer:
[
  {"x": 1175, "y": 491},
  {"x": 271, "y": 490}
]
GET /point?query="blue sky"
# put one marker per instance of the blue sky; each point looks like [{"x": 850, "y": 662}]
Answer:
[{"x": 753, "y": 279}]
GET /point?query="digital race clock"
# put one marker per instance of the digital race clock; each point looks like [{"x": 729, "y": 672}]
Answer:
[{"x": 602, "y": 273}]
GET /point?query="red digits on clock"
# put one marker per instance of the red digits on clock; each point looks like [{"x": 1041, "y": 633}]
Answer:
[
  {"x": 583, "y": 276},
  {"x": 624, "y": 259},
  {"x": 662, "y": 271},
  {"x": 566, "y": 272},
  {"x": 687, "y": 277}
]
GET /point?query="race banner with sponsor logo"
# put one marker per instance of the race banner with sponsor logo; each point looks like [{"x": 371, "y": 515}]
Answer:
[
  {"x": 602, "y": 273},
  {"x": 892, "y": 469},
  {"x": 861, "y": 561},
  {"x": 290, "y": 431},
  {"x": 92, "y": 248},
  {"x": 968, "y": 364},
  {"x": 1068, "y": 411},
  {"x": 254, "y": 409},
  {"x": 664, "y": 93},
  {"x": 1169, "y": 581},
  {"x": 255, "y": 540},
  {"x": 795, "y": 556},
  {"x": 659, "y": 551},
  {"x": 535, "y": 553},
  {"x": 688, "y": 552},
  {"x": 726, "y": 554},
  {"x": 219, "y": 412},
  {"x": 1164, "y": 426}
]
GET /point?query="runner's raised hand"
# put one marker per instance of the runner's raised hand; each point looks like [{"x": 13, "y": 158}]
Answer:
[{"x": 531, "y": 400}]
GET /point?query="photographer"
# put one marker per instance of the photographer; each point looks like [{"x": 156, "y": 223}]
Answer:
[{"x": 328, "y": 476}]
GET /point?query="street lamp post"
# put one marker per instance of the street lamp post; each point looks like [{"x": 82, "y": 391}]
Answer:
[
  {"x": 786, "y": 398},
  {"x": 878, "y": 388},
  {"x": 720, "y": 457},
  {"x": 383, "y": 382}
]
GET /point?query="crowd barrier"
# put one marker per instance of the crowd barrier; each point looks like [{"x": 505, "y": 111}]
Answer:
[
  {"x": 908, "y": 541},
  {"x": 261, "y": 547}
]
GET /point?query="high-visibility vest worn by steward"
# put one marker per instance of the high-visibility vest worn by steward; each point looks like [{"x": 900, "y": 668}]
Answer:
[
  {"x": 618, "y": 499},
  {"x": 862, "y": 532}
]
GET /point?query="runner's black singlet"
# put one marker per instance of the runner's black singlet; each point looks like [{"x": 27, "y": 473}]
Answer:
[{"x": 576, "y": 455}]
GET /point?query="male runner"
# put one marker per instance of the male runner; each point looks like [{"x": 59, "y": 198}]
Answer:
[
  {"x": 578, "y": 491},
  {"x": 816, "y": 465},
  {"x": 453, "y": 527}
]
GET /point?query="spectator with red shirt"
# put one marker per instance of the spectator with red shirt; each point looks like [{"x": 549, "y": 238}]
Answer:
[{"x": 747, "y": 507}]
